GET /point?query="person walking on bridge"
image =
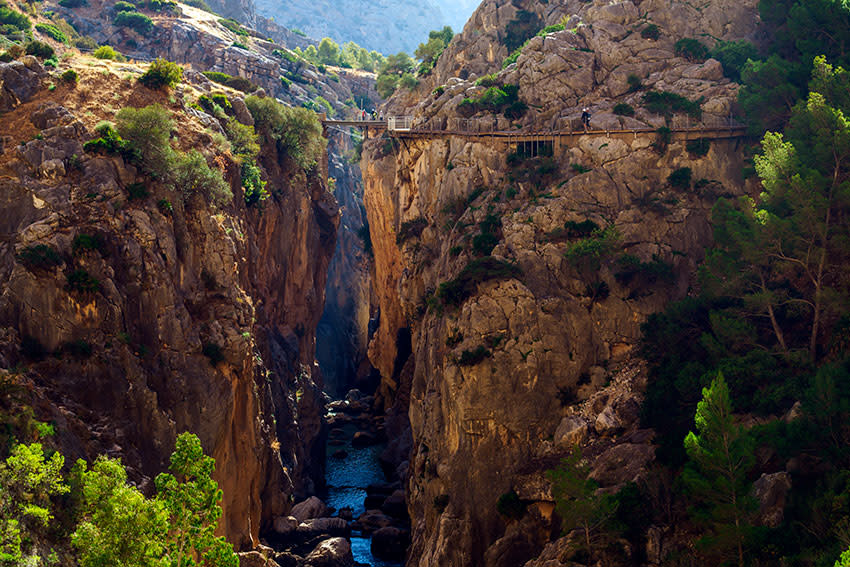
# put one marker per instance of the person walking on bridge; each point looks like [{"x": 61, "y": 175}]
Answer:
[
  {"x": 363, "y": 115},
  {"x": 585, "y": 118}
]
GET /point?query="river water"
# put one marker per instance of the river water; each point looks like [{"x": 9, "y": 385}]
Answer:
[{"x": 347, "y": 480}]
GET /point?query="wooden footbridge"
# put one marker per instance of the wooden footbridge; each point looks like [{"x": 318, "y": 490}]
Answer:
[{"x": 560, "y": 131}]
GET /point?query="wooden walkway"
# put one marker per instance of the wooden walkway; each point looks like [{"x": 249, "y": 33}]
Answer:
[{"x": 404, "y": 128}]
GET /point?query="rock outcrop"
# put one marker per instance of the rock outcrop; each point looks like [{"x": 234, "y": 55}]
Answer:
[
  {"x": 512, "y": 291},
  {"x": 161, "y": 316}
]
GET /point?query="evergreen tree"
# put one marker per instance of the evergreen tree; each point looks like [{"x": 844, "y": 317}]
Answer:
[
  {"x": 721, "y": 455},
  {"x": 192, "y": 500},
  {"x": 577, "y": 501}
]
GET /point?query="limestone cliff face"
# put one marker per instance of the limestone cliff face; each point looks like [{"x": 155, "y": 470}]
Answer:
[
  {"x": 173, "y": 283},
  {"x": 480, "y": 49},
  {"x": 507, "y": 375}
]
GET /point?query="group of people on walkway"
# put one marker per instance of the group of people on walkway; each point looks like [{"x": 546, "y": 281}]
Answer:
[{"x": 374, "y": 115}]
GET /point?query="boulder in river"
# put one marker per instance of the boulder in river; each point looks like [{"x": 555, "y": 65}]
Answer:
[
  {"x": 363, "y": 439},
  {"x": 255, "y": 559},
  {"x": 285, "y": 524},
  {"x": 310, "y": 508},
  {"x": 395, "y": 505},
  {"x": 334, "y": 552},
  {"x": 340, "y": 454},
  {"x": 372, "y": 520}
]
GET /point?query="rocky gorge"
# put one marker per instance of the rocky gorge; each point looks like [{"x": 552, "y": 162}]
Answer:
[{"x": 536, "y": 351}]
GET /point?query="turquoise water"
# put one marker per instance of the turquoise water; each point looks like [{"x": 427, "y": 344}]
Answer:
[{"x": 347, "y": 480}]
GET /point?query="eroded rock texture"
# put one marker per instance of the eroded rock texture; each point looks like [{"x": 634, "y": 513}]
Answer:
[
  {"x": 152, "y": 317},
  {"x": 506, "y": 377}
]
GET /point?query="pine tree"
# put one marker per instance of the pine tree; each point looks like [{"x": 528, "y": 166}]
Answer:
[
  {"x": 577, "y": 501},
  {"x": 721, "y": 455}
]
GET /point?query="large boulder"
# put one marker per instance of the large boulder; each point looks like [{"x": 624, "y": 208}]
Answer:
[
  {"x": 771, "y": 491},
  {"x": 19, "y": 81},
  {"x": 313, "y": 507},
  {"x": 255, "y": 559},
  {"x": 334, "y": 552}
]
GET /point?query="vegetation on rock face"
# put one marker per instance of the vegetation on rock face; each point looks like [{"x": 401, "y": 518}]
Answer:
[
  {"x": 429, "y": 52},
  {"x": 162, "y": 73},
  {"x": 296, "y": 132},
  {"x": 106, "y": 520},
  {"x": 397, "y": 71}
]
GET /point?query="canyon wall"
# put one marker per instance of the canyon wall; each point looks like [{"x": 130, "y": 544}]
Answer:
[
  {"x": 150, "y": 317},
  {"x": 522, "y": 273}
]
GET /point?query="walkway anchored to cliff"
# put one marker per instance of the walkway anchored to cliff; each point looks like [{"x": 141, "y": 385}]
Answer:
[{"x": 561, "y": 129}]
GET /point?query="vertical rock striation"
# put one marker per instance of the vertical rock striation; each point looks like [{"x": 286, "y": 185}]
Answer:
[{"x": 151, "y": 317}]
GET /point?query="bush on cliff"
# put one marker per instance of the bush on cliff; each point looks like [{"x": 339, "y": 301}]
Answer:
[
  {"x": 147, "y": 134},
  {"x": 456, "y": 291},
  {"x": 296, "y": 132},
  {"x": 135, "y": 21},
  {"x": 192, "y": 175},
  {"x": 162, "y": 73}
]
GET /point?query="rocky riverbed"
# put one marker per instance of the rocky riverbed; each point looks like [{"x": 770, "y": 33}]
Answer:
[{"x": 361, "y": 518}]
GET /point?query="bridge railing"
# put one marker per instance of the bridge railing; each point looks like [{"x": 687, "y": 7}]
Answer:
[
  {"x": 399, "y": 123},
  {"x": 559, "y": 124}
]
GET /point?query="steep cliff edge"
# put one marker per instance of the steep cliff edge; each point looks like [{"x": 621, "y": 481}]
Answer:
[
  {"x": 522, "y": 271},
  {"x": 139, "y": 316}
]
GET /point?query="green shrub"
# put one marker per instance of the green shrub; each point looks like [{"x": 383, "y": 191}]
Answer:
[
  {"x": 630, "y": 268},
  {"x": 666, "y": 103},
  {"x": 147, "y": 138},
  {"x": 285, "y": 83},
  {"x": 141, "y": 23},
  {"x": 13, "y": 19},
  {"x": 588, "y": 253},
  {"x": 52, "y": 32},
  {"x": 253, "y": 185},
  {"x": 512, "y": 58},
  {"x": 165, "y": 206},
  {"x": 84, "y": 43},
  {"x": 237, "y": 83},
  {"x": 297, "y": 132},
  {"x": 551, "y": 29},
  {"x": 213, "y": 352},
  {"x": 83, "y": 242},
  {"x": 733, "y": 55},
  {"x": 81, "y": 281},
  {"x": 680, "y": 178},
  {"x": 39, "y": 256},
  {"x": 579, "y": 168},
  {"x": 491, "y": 80},
  {"x": 410, "y": 229},
  {"x": 39, "y": 49},
  {"x": 456, "y": 291},
  {"x": 192, "y": 175},
  {"x": 510, "y": 506},
  {"x": 137, "y": 191},
  {"x": 623, "y": 109},
  {"x": 438, "y": 92},
  {"x": 73, "y": 3},
  {"x": 665, "y": 135},
  {"x": 484, "y": 243},
  {"x": 691, "y": 49},
  {"x": 698, "y": 147},
  {"x": 122, "y": 6},
  {"x": 233, "y": 26},
  {"x": 69, "y": 76},
  {"x": 200, "y": 4},
  {"x": 106, "y": 52},
  {"x": 240, "y": 45},
  {"x": 109, "y": 142},
  {"x": 635, "y": 83},
  {"x": 473, "y": 357},
  {"x": 650, "y": 32},
  {"x": 162, "y": 73}
]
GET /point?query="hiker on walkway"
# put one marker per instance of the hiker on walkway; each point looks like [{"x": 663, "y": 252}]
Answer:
[
  {"x": 363, "y": 115},
  {"x": 585, "y": 118},
  {"x": 374, "y": 115}
]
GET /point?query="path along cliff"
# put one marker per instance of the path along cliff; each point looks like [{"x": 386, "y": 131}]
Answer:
[{"x": 512, "y": 281}]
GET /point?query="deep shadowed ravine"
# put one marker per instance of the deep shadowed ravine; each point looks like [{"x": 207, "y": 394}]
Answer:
[{"x": 347, "y": 480}]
